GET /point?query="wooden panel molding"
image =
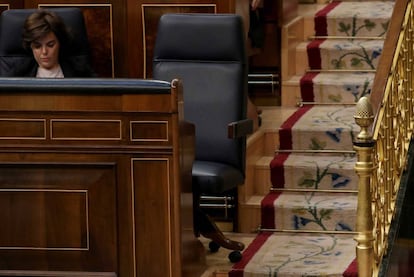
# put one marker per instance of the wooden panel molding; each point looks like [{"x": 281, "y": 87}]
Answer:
[
  {"x": 29, "y": 201},
  {"x": 20, "y": 128},
  {"x": 152, "y": 231},
  {"x": 106, "y": 191},
  {"x": 54, "y": 215},
  {"x": 149, "y": 131},
  {"x": 85, "y": 129}
]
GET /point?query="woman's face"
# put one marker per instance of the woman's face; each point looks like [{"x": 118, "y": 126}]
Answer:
[{"x": 46, "y": 51}]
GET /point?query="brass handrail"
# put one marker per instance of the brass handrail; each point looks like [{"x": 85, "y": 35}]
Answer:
[{"x": 382, "y": 151}]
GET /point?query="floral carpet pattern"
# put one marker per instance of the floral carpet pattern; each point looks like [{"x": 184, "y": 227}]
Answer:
[
  {"x": 303, "y": 171},
  {"x": 313, "y": 254},
  {"x": 309, "y": 216},
  {"x": 324, "y": 127},
  {"x": 335, "y": 87}
]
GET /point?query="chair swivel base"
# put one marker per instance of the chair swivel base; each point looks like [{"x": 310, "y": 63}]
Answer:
[{"x": 209, "y": 229}]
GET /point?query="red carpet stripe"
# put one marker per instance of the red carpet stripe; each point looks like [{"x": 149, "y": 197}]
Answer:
[
  {"x": 277, "y": 172},
  {"x": 352, "y": 270},
  {"x": 238, "y": 268},
  {"x": 268, "y": 210},
  {"x": 306, "y": 87},
  {"x": 321, "y": 24},
  {"x": 314, "y": 54},
  {"x": 285, "y": 131}
]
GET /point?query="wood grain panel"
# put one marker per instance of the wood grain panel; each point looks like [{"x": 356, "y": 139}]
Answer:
[
  {"x": 20, "y": 208},
  {"x": 78, "y": 102},
  {"x": 152, "y": 231},
  {"x": 13, "y": 128},
  {"x": 76, "y": 129},
  {"x": 149, "y": 131},
  {"x": 57, "y": 216}
]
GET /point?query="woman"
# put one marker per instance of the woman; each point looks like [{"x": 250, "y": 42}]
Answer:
[{"x": 46, "y": 37}]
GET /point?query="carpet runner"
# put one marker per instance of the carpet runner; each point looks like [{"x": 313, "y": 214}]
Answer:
[
  {"x": 289, "y": 254},
  {"x": 308, "y": 217}
]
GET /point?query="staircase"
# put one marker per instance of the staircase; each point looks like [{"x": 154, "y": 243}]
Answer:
[{"x": 301, "y": 187}]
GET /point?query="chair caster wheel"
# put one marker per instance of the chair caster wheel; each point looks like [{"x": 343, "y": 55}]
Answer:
[
  {"x": 213, "y": 246},
  {"x": 235, "y": 256}
]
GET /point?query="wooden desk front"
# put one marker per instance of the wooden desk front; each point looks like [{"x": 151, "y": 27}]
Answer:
[{"x": 95, "y": 182}]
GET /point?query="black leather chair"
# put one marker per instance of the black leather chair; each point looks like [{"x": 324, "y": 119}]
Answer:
[
  {"x": 12, "y": 52},
  {"x": 207, "y": 51}
]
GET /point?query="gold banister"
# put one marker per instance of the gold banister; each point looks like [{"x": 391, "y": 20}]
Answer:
[{"x": 382, "y": 153}]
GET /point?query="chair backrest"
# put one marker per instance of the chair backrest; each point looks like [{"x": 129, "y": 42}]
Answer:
[
  {"x": 12, "y": 52},
  {"x": 207, "y": 52}
]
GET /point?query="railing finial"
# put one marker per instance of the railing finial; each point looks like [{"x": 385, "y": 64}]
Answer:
[{"x": 364, "y": 117}]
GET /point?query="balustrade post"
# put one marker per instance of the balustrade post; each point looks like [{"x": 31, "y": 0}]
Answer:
[{"x": 364, "y": 145}]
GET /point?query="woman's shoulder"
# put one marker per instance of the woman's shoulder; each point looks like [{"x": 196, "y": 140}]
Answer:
[{"x": 24, "y": 67}]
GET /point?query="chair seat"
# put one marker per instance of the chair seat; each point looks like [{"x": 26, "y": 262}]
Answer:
[{"x": 215, "y": 178}]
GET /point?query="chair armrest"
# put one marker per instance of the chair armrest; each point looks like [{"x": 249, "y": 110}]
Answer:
[{"x": 240, "y": 128}]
